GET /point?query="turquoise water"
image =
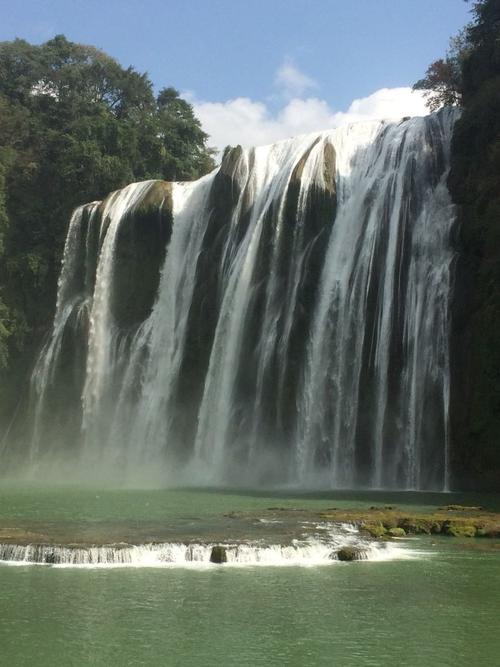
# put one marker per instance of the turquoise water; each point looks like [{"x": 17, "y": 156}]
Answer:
[
  {"x": 72, "y": 514},
  {"x": 67, "y": 503},
  {"x": 438, "y": 610}
]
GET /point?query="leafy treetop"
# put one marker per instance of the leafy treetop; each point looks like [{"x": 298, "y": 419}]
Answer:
[{"x": 74, "y": 125}]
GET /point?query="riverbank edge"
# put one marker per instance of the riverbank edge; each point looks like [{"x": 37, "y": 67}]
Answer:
[
  {"x": 388, "y": 521},
  {"x": 385, "y": 522}
]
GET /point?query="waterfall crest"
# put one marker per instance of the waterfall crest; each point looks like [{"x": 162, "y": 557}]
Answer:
[
  {"x": 312, "y": 551},
  {"x": 284, "y": 319}
]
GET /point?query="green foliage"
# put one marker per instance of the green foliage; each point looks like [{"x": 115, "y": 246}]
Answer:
[
  {"x": 4, "y": 313},
  {"x": 3, "y": 212},
  {"x": 74, "y": 125},
  {"x": 383, "y": 522},
  {"x": 182, "y": 137},
  {"x": 442, "y": 85},
  {"x": 475, "y": 185}
]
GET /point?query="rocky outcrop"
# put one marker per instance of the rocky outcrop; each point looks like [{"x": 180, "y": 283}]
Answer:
[
  {"x": 218, "y": 554},
  {"x": 347, "y": 554},
  {"x": 141, "y": 244}
]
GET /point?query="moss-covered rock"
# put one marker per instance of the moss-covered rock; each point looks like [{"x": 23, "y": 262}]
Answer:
[
  {"x": 419, "y": 526},
  {"x": 378, "y": 522},
  {"x": 458, "y": 529},
  {"x": 374, "y": 529},
  {"x": 141, "y": 245},
  {"x": 389, "y": 521},
  {"x": 489, "y": 530},
  {"x": 396, "y": 532}
]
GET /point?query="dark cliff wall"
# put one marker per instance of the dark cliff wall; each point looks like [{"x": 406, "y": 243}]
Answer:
[{"x": 475, "y": 186}]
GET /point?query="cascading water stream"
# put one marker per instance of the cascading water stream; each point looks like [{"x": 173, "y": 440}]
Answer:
[
  {"x": 70, "y": 303},
  {"x": 149, "y": 427},
  {"x": 101, "y": 343},
  {"x": 312, "y": 551},
  {"x": 382, "y": 311},
  {"x": 282, "y": 320}
]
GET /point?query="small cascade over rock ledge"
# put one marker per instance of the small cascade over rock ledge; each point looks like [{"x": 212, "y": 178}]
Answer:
[{"x": 299, "y": 552}]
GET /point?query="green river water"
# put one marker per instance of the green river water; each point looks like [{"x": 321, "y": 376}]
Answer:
[{"x": 436, "y": 610}]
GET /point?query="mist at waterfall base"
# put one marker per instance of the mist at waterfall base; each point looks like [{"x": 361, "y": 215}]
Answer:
[{"x": 282, "y": 321}]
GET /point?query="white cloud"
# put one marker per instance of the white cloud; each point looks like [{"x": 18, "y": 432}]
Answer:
[
  {"x": 292, "y": 81},
  {"x": 250, "y": 123},
  {"x": 385, "y": 103}
]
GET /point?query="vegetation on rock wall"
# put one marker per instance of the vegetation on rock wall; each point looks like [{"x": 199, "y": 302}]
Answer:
[
  {"x": 475, "y": 186},
  {"x": 4, "y": 318},
  {"x": 74, "y": 125}
]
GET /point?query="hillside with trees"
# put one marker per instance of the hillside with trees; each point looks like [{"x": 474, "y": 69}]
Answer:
[{"x": 74, "y": 125}]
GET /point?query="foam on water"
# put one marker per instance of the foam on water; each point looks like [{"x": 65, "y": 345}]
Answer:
[{"x": 313, "y": 551}]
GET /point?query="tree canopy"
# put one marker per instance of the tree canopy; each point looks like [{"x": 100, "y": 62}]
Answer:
[
  {"x": 442, "y": 84},
  {"x": 74, "y": 125},
  {"x": 472, "y": 57}
]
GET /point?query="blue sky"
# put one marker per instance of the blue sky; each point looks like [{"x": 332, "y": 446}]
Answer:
[{"x": 260, "y": 69}]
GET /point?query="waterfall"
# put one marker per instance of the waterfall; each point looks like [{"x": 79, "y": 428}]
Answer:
[
  {"x": 312, "y": 551},
  {"x": 283, "y": 320}
]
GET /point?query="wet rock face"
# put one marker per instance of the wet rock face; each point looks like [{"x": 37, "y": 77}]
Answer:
[
  {"x": 229, "y": 164},
  {"x": 141, "y": 244},
  {"x": 218, "y": 554},
  {"x": 50, "y": 558},
  {"x": 347, "y": 554},
  {"x": 329, "y": 168}
]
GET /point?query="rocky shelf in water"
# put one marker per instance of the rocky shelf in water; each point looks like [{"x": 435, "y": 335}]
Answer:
[
  {"x": 276, "y": 536},
  {"x": 296, "y": 538},
  {"x": 311, "y": 552},
  {"x": 388, "y": 521},
  {"x": 275, "y": 525}
]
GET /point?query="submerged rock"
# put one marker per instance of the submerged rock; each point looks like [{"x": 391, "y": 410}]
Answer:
[
  {"x": 349, "y": 554},
  {"x": 49, "y": 558},
  {"x": 218, "y": 554}
]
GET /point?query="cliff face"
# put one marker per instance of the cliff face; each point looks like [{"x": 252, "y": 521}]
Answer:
[{"x": 475, "y": 186}]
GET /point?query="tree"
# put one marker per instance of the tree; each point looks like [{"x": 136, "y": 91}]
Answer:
[
  {"x": 182, "y": 138},
  {"x": 74, "y": 125},
  {"x": 442, "y": 84}
]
